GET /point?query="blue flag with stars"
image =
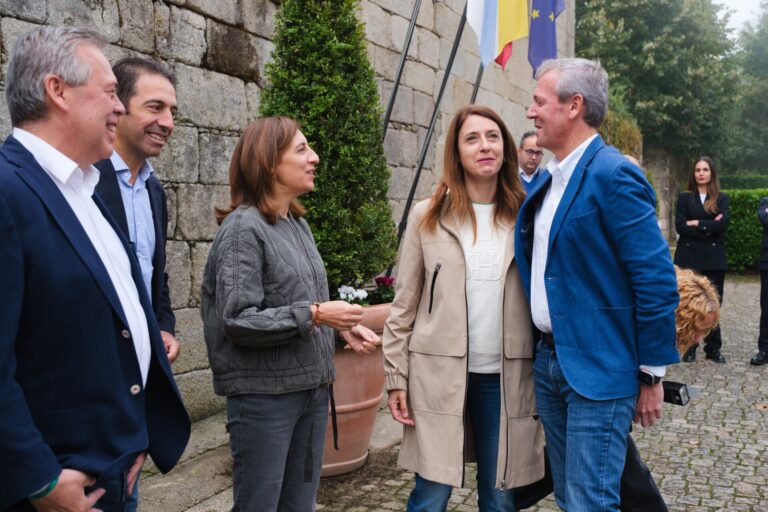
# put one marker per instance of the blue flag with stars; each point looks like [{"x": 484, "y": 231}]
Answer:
[{"x": 542, "y": 38}]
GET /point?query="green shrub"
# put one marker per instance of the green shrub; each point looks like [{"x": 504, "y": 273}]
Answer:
[
  {"x": 620, "y": 128},
  {"x": 744, "y": 181},
  {"x": 320, "y": 76},
  {"x": 744, "y": 233}
]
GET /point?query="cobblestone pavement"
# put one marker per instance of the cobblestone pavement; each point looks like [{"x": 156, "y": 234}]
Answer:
[{"x": 711, "y": 455}]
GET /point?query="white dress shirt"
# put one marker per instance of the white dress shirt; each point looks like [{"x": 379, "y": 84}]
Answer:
[{"x": 77, "y": 186}]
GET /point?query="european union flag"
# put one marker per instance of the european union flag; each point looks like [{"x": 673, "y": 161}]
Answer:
[{"x": 542, "y": 38}]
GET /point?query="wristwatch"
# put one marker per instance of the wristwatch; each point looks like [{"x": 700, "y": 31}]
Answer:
[{"x": 648, "y": 378}]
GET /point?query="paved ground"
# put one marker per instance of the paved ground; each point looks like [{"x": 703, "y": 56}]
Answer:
[{"x": 711, "y": 455}]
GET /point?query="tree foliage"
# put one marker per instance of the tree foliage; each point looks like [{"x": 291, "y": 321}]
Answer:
[
  {"x": 320, "y": 76},
  {"x": 750, "y": 144},
  {"x": 671, "y": 61}
]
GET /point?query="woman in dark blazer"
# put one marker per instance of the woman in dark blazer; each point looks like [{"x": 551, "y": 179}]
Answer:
[{"x": 701, "y": 220}]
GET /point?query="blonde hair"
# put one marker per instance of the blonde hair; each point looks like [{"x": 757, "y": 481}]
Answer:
[{"x": 698, "y": 298}]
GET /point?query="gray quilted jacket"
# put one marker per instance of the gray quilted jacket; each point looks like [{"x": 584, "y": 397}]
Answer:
[{"x": 258, "y": 285}]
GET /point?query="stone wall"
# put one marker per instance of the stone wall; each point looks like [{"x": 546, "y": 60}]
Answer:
[{"x": 218, "y": 49}]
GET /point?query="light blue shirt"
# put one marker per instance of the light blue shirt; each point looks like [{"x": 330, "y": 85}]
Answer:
[{"x": 138, "y": 213}]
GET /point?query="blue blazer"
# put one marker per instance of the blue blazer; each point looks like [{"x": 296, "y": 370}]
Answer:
[
  {"x": 609, "y": 276},
  {"x": 529, "y": 185},
  {"x": 109, "y": 190},
  {"x": 70, "y": 385}
]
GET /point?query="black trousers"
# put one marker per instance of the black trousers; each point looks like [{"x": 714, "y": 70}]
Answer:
[
  {"x": 762, "y": 340},
  {"x": 713, "y": 342},
  {"x": 639, "y": 492}
]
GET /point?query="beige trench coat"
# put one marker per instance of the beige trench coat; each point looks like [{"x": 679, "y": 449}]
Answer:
[{"x": 425, "y": 349}]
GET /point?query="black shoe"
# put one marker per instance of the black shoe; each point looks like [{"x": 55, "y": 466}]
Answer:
[
  {"x": 760, "y": 359},
  {"x": 716, "y": 356},
  {"x": 690, "y": 355}
]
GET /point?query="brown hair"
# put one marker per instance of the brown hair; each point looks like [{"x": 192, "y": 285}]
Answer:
[
  {"x": 698, "y": 298},
  {"x": 713, "y": 187},
  {"x": 509, "y": 192},
  {"x": 252, "y": 168}
]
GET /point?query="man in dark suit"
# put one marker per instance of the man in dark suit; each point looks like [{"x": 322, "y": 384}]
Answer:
[
  {"x": 132, "y": 193},
  {"x": 128, "y": 186},
  {"x": 86, "y": 391},
  {"x": 602, "y": 289},
  {"x": 761, "y": 357},
  {"x": 529, "y": 157}
]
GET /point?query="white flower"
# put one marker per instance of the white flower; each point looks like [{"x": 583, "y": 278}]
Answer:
[{"x": 361, "y": 294}]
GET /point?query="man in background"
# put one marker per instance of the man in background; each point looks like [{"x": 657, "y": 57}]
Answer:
[
  {"x": 131, "y": 191},
  {"x": 529, "y": 158}
]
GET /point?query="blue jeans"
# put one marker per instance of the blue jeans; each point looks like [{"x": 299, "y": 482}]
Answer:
[
  {"x": 132, "y": 503},
  {"x": 484, "y": 406},
  {"x": 586, "y": 439},
  {"x": 277, "y": 446}
]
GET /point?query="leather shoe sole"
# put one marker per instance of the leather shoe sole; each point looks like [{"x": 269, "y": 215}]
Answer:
[
  {"x": 759, "y": 359},
  {"x": 716, "y": 357}
]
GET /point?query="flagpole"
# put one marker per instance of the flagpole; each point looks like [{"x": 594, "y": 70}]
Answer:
[
  {"x": 430, "y": 130},
  {"x": 479, "y": 77},
  {"x": 401, "y": 65}
]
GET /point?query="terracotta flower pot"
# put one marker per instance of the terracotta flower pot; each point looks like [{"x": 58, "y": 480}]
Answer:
[{"x": 358, "y": 390}]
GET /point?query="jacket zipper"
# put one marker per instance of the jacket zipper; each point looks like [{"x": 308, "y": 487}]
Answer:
[
  {"x": 432, "y": 286},
  {"x": 503, "y": 397}
]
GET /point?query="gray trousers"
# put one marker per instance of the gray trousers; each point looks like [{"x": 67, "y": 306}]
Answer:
[{"x": 277, "y": 446}]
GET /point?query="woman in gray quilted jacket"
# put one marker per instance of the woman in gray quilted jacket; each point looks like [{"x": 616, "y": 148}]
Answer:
[{"x": 269, "y": 325}]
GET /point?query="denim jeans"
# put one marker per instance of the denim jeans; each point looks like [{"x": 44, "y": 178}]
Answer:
[
  {"x": 586, "y": 439},
  {"x": 132, "y": 503},
  {"x": 277, "y": 446},
  {"x": 484, "y": 406}
]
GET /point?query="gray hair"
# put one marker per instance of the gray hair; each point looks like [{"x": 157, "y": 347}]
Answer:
[
  {"x": 527, "y": 135},
  {"x": 38, "y": 53},
  {"x": 584, "y": 77}
]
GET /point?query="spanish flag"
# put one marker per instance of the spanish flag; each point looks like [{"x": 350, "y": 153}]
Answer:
[{"x": 497, "y": 23}]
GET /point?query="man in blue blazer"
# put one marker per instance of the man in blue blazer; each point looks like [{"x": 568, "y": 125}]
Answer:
[
  {"x": 602, "y": 289},
  {"x": 86, "y": 391}
]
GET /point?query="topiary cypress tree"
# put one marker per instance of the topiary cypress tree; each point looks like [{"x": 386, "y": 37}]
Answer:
[{"x": 320, "y": 76}]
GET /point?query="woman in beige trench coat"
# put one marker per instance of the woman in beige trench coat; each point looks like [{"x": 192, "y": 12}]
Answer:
[{"x": 458, "y": 344}]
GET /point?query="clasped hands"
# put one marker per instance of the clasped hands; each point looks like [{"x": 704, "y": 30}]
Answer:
[{"x": 345, "y": 318}]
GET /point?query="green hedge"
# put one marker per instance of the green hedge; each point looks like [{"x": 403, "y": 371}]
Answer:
[
  {"x": 744, "y": 182},
  {"x": 742, "y": 239}
]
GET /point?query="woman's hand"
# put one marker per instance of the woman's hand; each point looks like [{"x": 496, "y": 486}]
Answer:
[
  {"x": 361, "y": 339},
  {"x": 694, "y": 222},
  {"x": 719, "y": 216},
  {"x": 338, "y": 314},
  {"x": 398, "y": 406}
]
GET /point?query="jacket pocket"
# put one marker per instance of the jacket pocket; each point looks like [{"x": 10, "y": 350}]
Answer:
[{"x": 438, "y": 265}]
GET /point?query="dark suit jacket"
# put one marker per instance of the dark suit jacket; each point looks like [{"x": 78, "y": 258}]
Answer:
[
  {"x": 701, "y": 247},
  {"x": 762, "y": 262},
  {"x": 609, "y": 277},
  {"x": 70, "y": 384},
  {"x": 109, "y": 190}
]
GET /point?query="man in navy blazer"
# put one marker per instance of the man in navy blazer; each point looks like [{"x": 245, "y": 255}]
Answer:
[
  {"x": 128, "y": 186},
  {"x": 602, "y": 289},
  {"x": 86, "y": 390}
]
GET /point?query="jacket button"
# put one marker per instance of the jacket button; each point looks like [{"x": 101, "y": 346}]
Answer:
[
  {"x": 135, "y": 389},
  {"x": 125, "y": 333}
]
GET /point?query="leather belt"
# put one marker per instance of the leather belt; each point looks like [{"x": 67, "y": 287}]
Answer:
[{"x": 548, "y": 340}]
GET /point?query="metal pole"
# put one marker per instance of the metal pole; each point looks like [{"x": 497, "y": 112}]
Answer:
[
  {"x": 477, "y": 83},
  {"x": 430, "y": 130},
  {"x": 401, "y": 66}
]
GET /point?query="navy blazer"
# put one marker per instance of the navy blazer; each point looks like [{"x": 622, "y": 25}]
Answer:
[
  {"x": 762, "y": 262},
  {"x": 701, "y": 247},
  {"x": 109, "y": 190},
  {"x": 609, "y": 277},
  {"x": 70, "y": 384}
]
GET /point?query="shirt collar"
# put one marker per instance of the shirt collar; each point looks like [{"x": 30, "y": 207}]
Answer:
[
  {"x": 524, "y": 175},
  {"x": 58, "y": 165},
  {"x": 568, "y": 164},
  {"x": 121, "y": 167}
]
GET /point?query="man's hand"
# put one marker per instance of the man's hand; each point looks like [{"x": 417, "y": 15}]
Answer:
[
  {"x": 69, "y": 494},
  {"x": 398, "y": 406},
  {"x": 133, "y": 472},
  {"x": 172, "y": 347},
  {"x": 649, "y": 404},
  {"x": 361, "y": 339}
]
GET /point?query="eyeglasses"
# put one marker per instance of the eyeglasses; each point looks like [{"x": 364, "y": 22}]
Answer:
[{"x": 533, "y": 154}]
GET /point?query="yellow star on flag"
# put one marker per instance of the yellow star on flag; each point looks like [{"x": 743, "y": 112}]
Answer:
[
  {"x": 535, "y": 13},
  {"x": 552, "y": 16}
]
